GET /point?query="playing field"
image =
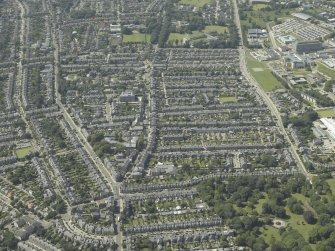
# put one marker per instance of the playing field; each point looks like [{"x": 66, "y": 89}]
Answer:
[
  {"x": 173, "y": 37},
  {"x": 136, "y": 38},
  {"x": 196, "y": 3},
  {"x": 259, "y": 6},
  {"x": 215, "y": 28},
  {"x": 326, "y": 113},
  {"x": 23, "y": 152},
  {"x": 228, "y": 100},
  {"x": 262, "y": 74}
]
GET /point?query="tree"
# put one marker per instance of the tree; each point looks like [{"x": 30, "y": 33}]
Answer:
[
  {"x": 225, "y": 211},
  {"x": 9, "y": 241},
  {"x": 278, "y": 246},
  {"x": 309, "y": 217},
  {"x": 126, "y": 31},
  {"x": 324, "y": 219},
  {"x": 328, "y": 86}
]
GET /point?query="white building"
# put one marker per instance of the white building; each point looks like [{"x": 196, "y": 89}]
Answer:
[{"x": 330, "y": 125}]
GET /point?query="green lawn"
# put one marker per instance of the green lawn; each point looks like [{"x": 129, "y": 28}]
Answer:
[
  {"x": 295, "y": 221},
  {"x": 177, "y": 36},
  {"x": 180, "y": 37},
  {"x": 326, "y": 113},
  {"x": 331, "y": 183},
  {"x": 136, "y": 38},
  {"x": 209, "y": 28},
  {"x": 270, "y": 233},
  {"x": 215, "y": 28},
  {"x": 260, "y": 203},
  {"x": 304, "y": 200},
  {"x": 298, "y": 222},
  {"x": 260, "y": 17},
  {"x": 228, "y": 100},
  {"x": 259, "y": 6},
  {"x": 196, "y": 3},
  {"x": 325, "y": 70},
  {"x": 72, "y": 77},
  {"x": 23, "y": 152},
  {"x": 262, "y": 74},
  {"x": 302, "y": 72}
]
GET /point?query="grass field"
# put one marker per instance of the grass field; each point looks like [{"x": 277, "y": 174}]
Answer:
[
  {"x": 209, "y": 28},
  {"x": 136, "y": 38},
  {"x": 215, "y": 28},
  {"x": 269, "y": 234},
  {"x": 259, "y": 6},
  {"x": 23, "y": 152},
  {"x": 260, "y": 17},
  {"x": 262, "y": 74},
  {"x": 228, "y": 100},
  {"x": 295, "y": 221},
  {"x": 327, "y": 113},
  {"x": 196, "y": 3},
  {"x": 174, "y": 36},
  {"x": 302, "y": 72},
  {"x": 325, "y": 70},
  {"x": 72, "y": 77},
  {"x": 331, "y": 183},
  {"x": 298, "y": 222}
]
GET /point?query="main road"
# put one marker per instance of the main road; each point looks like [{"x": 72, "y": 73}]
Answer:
[
  {"x": 266, "y": 98},
  {"x": 82, "y": 139}
]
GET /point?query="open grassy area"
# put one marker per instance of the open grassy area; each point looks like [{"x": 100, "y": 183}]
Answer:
[
  {"x": 270, "y": 233},
  {"x": 262, "y": 74},
  {"x": 298, "y": 222},
  {"x": 23, "y": 152},
  {"x": 72, "y": 77},
  {"x": 295, "y": 221},
  {"x": 302, "y": 72},
  {"x": 196, "y": 3},
  {"x": 259, "y": 6},
  {"x": 180, "y": 37},
  {"x": 215, "y": 28},
  {"x": 261, "y": 18},
  {"x": 258, "y": 206},
  {"x": 331, "y": 183},
  {"x": 136, "y": 38},
  {"x": 326, "y": 113},
  {"x": 325, "y": 70},
  {"x": 173, "y": 37},
  {"x": 227, "y": 99}
]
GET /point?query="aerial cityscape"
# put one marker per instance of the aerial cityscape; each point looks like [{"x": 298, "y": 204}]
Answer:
[{"x": 167, "y": 125}]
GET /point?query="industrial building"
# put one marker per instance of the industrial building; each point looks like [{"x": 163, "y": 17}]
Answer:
[
  {"x": 288, "y": 39},
  {"x": 330, "y": 124},
  {"x": 307, "y": 47}
]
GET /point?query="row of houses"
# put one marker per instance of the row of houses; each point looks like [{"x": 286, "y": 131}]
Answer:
[{"x": 170, "y": 226}]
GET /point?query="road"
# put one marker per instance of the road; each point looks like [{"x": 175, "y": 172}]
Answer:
[
  {"x": 271, "y": 36},
  {"x": 82, "y": 139},
  {"x": 266, "y": 98}
]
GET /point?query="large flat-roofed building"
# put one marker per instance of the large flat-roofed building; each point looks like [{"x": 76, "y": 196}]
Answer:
[
  {"x": 307, "y": 47},
  {"x": 330, "y": 62},
  {"x": 257, "y": 33},
  {"x": 330, "y": 125},
  {"x": 127, "y": 96},
  {"x": 302, "y": 16},
  {"x": 294, "y": 61},
  {"x": 288, "y": 39}
]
